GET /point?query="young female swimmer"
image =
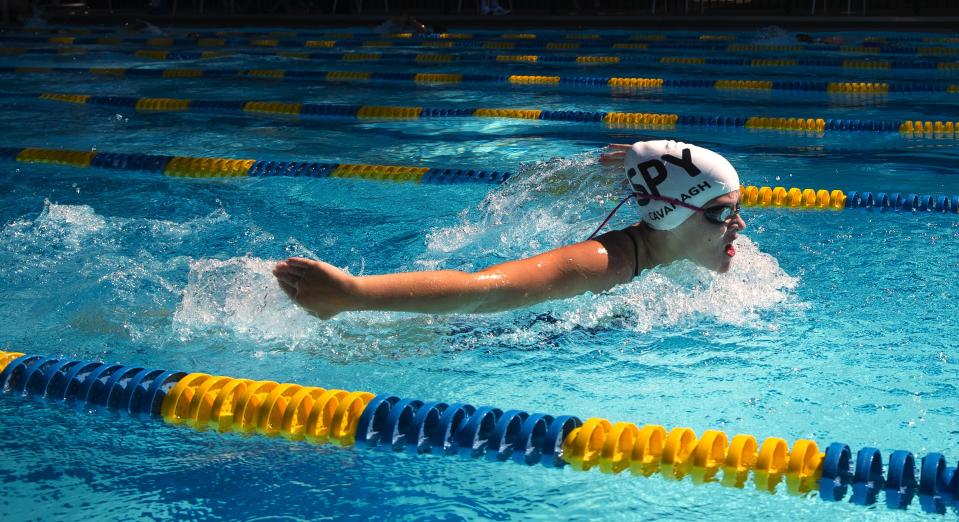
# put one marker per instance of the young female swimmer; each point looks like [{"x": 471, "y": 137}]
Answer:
[{"x": 689, "y": 199}]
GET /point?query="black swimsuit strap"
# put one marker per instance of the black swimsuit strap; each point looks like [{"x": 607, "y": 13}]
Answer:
[{"x": 635, "y": 251}]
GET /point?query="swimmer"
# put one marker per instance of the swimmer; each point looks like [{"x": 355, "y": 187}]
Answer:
[
  {"x": 403, "y": 22},
  {"x": 142, "y": 26},
  {"x": 827, "y": 40},
  {"x": 689, "y": 200}
]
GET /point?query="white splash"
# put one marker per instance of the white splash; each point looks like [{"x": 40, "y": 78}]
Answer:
[
  {"x": 66, "y": 226},
  {"x": 239, "y": 297},
  {"x": 122, "y": 274},
  {"x": 545, "y": 205},
  {"x": 683, "y": 293}
]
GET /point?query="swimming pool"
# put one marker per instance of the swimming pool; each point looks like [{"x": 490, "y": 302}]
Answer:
[{"x": 833, "y": 326}]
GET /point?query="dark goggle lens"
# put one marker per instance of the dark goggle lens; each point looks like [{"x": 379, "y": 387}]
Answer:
[{"x": 721, "y": 214}]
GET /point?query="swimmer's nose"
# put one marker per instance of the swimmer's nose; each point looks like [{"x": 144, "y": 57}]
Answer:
[{"x": 739, "y": 222}]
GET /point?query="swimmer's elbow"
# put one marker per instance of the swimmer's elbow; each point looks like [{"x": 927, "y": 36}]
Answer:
[
  {"x": 499, "y": 292},
  {"x": 493, "y": 292}
]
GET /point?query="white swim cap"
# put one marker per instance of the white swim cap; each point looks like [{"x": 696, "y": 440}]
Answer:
[{"x": 672, "y": 169}]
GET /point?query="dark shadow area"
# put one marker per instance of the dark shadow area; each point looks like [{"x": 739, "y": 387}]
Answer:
[{"x": 571, "y": 14}]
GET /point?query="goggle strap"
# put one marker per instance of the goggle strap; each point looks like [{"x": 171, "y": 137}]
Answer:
[
  {"x": 610, "y": 216},
  {"x": 673, "y": 201},
  {"x": 642, "y": 195}
]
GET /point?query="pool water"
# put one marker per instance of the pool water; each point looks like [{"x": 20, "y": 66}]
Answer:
[{"x": 833, "y": 326}]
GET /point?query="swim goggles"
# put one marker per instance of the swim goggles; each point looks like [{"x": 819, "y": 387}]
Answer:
[{"x": 719, "y": 215}]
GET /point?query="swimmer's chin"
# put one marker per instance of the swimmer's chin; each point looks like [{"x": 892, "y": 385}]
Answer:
[
  {"x": 725, "y": 265},
  {"x": 720, "y": 267},
  {"x": 726, "y": 262}
]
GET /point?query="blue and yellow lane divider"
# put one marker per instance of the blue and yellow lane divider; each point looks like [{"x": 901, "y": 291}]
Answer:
[
  {"x": 579, "y": 82},
  {"x": 623, "y": 45},
  {"x": 180, "y": 166},
  {"x": 566, "y": 59},
  {"x": 192, "y": 167},
  {"x": 907, "y": 128},
  {"x": 797, "y": 198},
  {"x": 635, "y": 44},
  {"x": 549, "y": 59},
  {"x": 363, "y": 420}
]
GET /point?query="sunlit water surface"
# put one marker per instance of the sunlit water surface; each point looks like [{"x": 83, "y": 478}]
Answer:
[{"x": 831, "y": 326}]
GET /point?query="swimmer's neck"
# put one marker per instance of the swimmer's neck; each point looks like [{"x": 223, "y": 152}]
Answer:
[{"x": 655, "y": 248}]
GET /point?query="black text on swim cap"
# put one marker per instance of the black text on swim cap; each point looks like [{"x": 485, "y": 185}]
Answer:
[{"x": 653, "y": 181}]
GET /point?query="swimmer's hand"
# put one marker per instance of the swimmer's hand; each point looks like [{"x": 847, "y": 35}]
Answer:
[
  {"x": 320, "y": 288},
  {"x": 615, "y": 152}
]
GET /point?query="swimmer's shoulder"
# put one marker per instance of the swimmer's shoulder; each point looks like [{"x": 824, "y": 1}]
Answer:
[
  {"x": 627, "y": 245},
  {"x": 640, "y": 256}
]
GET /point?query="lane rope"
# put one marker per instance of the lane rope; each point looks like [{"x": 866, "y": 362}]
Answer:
[
  {"x": 364, "y": 420},
  {"x": 626, "y": 44},
  {"x": 193, "y": 167},
  {"x": 434, "y": 58},
  {"x": 920, "y": 129}
]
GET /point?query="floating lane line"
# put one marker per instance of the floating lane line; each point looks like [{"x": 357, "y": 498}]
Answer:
[
  {"x": 937, "y": 129},
  {"x": 604, "y": 44},
  {"x": 193, "y": 167},
  {"x": 363, "y": 420},
  {"x": 183, "y": 166},
  {"x": 467, "y": 57},
  {"x": 589, "y": 82}
]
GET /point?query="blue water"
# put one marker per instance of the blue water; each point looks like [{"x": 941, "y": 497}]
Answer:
[{"x": 831, "y": 326}]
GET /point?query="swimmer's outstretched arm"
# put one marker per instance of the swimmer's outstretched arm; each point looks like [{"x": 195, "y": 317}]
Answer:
[{"x": 596, "y": 265}]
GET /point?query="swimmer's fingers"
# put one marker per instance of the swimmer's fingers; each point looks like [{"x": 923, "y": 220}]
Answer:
[
  {"x": 290, "y": 291},
  {"x": 612, "y": 157},
  {"x": 303, "y": 264},
  {"x": 315, "y": 268},
  {"x": 285, "y": 267},
  {"x": 287, "y": 279},
  {"x": 618, "y": 146},
  {"x": 288, "y": 275}
]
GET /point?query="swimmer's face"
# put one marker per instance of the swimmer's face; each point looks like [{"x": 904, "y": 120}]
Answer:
[{"x": 707, "y": 243}]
